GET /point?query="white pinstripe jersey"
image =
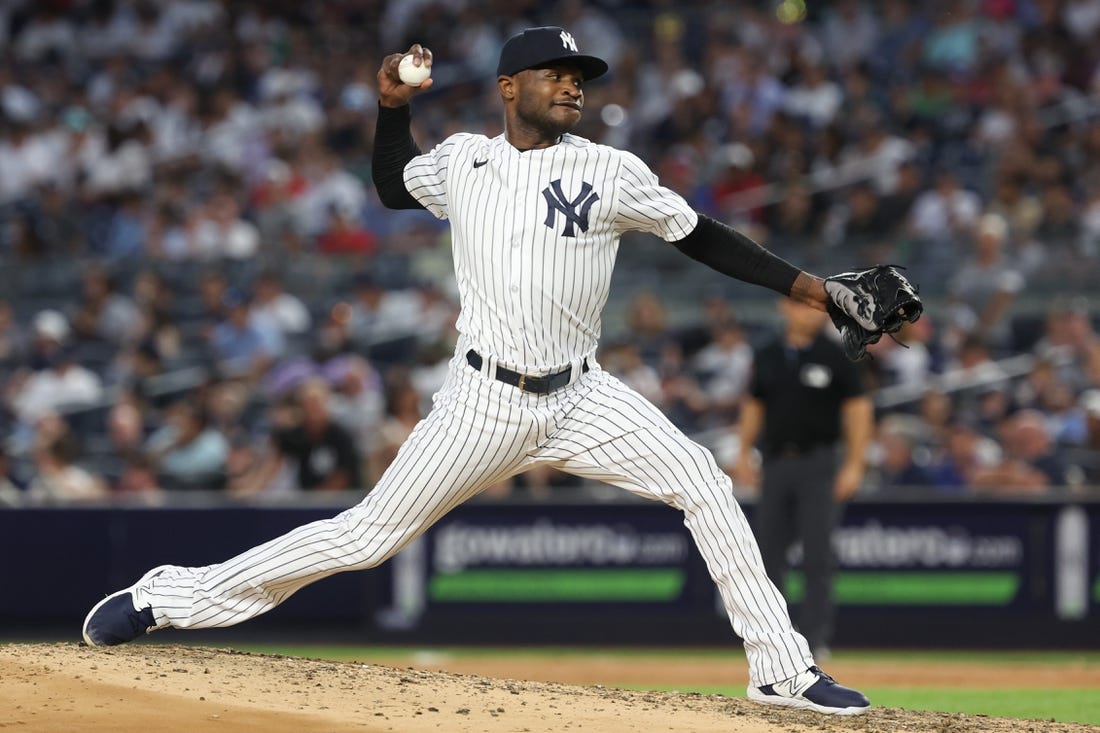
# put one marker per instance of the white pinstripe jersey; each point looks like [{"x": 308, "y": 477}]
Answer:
[{"x": 534, "y": 236}]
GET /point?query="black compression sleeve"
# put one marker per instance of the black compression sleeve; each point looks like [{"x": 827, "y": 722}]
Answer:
[
  {"x": 732, "y": 253},
  {"x": 394, "y": 147}
]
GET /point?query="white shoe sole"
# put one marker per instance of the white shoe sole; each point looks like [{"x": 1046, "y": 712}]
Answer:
[
  {"x": 84, "y": 629},
  {"x": 800, "y": 703}
]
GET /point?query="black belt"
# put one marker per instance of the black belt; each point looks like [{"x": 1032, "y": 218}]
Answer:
[
  {"x": 539, "y": 385},
  {"x": 792, "y": 450}
]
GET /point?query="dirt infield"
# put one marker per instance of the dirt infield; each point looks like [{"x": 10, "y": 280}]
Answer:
[{"x": 69, "y": 687}]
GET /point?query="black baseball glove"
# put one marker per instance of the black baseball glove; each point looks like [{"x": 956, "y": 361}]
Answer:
[{"x": 866, "y": 304}]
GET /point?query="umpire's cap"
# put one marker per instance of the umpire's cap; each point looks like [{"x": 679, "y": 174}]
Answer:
[{"x": 538, "y": 47}]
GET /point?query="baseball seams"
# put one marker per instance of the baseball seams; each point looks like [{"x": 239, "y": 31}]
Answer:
[{"x": 535, "y": 235}]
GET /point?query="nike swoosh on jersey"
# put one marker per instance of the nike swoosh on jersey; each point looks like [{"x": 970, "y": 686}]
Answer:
[{"x": 479, "y": 163}]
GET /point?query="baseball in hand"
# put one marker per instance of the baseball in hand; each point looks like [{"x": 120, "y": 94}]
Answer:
[{"x": 411, "y": 74}]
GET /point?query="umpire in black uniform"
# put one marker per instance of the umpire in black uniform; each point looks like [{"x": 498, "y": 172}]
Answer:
[{"x": 809, "y": 409}]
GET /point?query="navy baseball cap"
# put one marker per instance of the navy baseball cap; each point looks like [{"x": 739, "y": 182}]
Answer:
[{"x": 538, "y": 47}]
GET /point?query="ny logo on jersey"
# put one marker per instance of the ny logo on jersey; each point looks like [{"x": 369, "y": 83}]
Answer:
[
  {"x": 556, "y": 201},
  {"x": 568, "y": 42}
]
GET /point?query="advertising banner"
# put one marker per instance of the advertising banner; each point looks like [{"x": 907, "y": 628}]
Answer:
[{"x": 984, "y": 573}]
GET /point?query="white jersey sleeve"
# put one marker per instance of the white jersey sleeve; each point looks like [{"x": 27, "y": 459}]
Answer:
[
  {"x": 427, "y": 175},
  {"x": 645, "y": 205}
]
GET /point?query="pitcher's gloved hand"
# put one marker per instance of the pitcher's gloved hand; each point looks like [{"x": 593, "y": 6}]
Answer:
[{"x": 868, "y": 303}]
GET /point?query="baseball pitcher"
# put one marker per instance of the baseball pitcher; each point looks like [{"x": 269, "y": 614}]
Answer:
[{"x": 536, "y": 215}]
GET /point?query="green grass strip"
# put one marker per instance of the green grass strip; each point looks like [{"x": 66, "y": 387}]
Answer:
[
  {"x": 945, "y": 588},
  {"x": 1067, "y": 705},
  {"x": 541, "y": 585},
  {"x": 1096, "y": 591}
]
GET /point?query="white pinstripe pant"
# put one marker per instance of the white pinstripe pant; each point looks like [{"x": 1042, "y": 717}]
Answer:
[{"x": 479, "y": 432}]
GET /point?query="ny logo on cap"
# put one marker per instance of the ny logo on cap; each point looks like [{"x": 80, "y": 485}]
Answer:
[
  {"x": 568, "y": 42},
  {"x": 556, "y": 201}
]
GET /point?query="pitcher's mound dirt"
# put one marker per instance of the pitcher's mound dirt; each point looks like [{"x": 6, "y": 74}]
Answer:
[{"x": 69, "y": 687}]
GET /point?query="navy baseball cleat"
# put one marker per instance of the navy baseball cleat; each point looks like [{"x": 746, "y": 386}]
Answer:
[
  {"x": 115, "y": 620},
  {"x": 812, "y": 690}
]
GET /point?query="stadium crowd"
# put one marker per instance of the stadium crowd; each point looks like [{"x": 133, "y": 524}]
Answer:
[{"x": 200, "y": 290}]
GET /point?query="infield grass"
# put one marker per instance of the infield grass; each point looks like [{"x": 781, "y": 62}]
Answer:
[{"x": 1071, "y": 704}]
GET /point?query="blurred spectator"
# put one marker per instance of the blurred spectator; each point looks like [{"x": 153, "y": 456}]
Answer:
[
  {"x": 105, "y": 314},
  {"x": 625, "y": 361},
  {"x": 126, "y": 234},
  {"x": 327, "y": 456},
  {"x": 874, "y": 153},
  {"x": 169, "y": 235},
  {"x": 321, "y": 454},
  {"x": 858, "y": 223},
  {"x": 330, "y": 188},
  {"x": 850, "y": 32},
  {"x": 126, "y": 427},
  {"x": 222, "y": 233},
  {"x": 1083, "y": 460},
  {"x": 57, "y": 479},
  {"x": 345, "y": 235},
  {"x": 982, "y": 291},
  {"x": 647, "y": 318},
  {"x": 62, "y": 383},
  {"x": 272, "y": 303},
  {"x": 10, "y": 494},
  {"x": 50, "y": 332},
  {"x": 815, "y": 98},
  {"x": 57, "y": 224},
  {"x": 897, "y": 205},
  {"x": 752, "y": 95},
  {"x": 1070, "y": 343},
  {"x": 211, "y": 307},
  {"x": 1030, "y": 463},
  {"x": 1090, "y": 220},
  {"x": 187, "y": 452},
  {"x": 732, "y": 191},
  {"x": 947, "y": 212},
  {"x": 153, "y": 296},
  {"x": 973, "y": 367},
  {"x": 226, "y": 404},
  {"x": 244, "y": 345},
  {"x": 682, "y": 397},
  {"x": 402, "y": 414},
  {"x": 1025, "y": 215},
  {"x": 897, "y": 464},
  {"x": 724, "y": 367},
  {"x": 132, "y": 472},
  {"x": 358, "y": 401},
  {"x": 906, "y": 358},
  {"x": 275, "y": 200},
  {"x": 1059, "y": 227},
  {"x": 379, "y": 314},
  {"x": 936, "y": 414},
  {"x": 953, "y": 43},
  {"x": 121, "y": 168},
  {"x": 964, "y": 454},
  {"x": 13, "y": 342}
]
